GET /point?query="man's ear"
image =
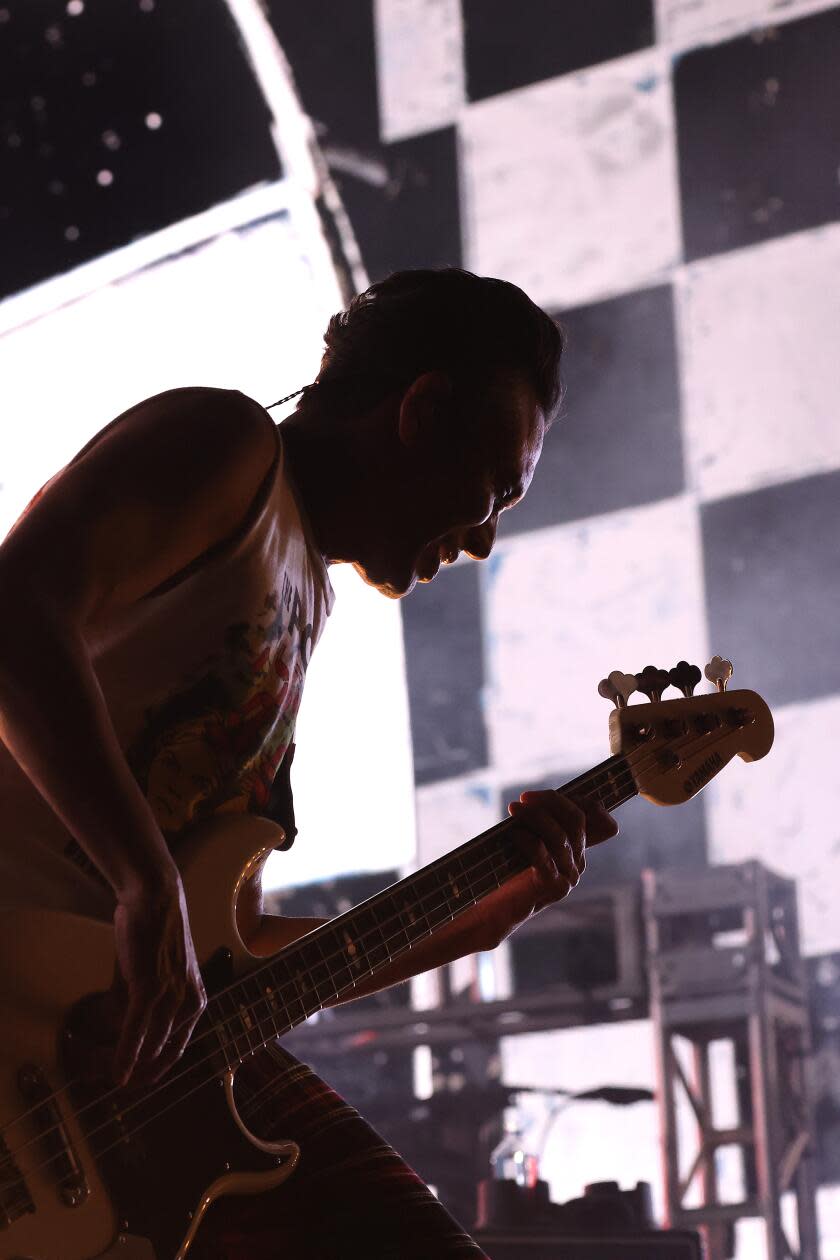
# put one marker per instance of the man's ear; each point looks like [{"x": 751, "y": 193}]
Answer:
[{"x": 422, "y": 406}]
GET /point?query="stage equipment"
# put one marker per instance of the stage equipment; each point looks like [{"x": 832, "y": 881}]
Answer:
[
  {"x": 723, "y": 950},
  {"x": 520, "y": 1223}
]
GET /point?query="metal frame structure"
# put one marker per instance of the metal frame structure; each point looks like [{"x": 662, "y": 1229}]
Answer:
[
  {"x": 616, "y": 909},
  {"x": 710, "y": 955},
  {"x": 724, "y": 967}
]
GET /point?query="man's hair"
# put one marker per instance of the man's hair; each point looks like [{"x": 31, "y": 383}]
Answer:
[{"x": 436, "y": 320}]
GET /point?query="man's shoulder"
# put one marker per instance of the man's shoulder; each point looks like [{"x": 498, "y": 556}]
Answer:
[
  {"x": 204, "y": 424},
  {"x": 211, "y": 403}
]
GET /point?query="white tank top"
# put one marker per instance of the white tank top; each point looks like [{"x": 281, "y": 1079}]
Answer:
[{"x": 203, "y": 679}]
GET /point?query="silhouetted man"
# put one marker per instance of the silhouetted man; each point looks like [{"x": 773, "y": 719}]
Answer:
[{"x": 162, "y": 596}]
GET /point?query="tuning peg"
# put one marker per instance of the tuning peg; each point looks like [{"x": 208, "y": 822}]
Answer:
[
  {"x": 617, "y": 687},
  {"x": 685, "y": 678},
  {"x": 719, "y": 671},
  {"x": 652, "y": 682}
]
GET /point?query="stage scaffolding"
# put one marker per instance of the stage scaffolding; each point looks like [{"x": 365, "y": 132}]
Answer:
[
  {"x": 712, "y": 957},
  {"x": 724, "y": 967}
]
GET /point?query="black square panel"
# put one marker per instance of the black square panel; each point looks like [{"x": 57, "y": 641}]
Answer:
[
  {"x": 332, "y": 52},
  {"x": 773, "y": 587},
  {"x": 409, "y": 215},
  {"x": 618, "y": 442},
  {"x": 117, "y": 120},
  {"x": 511, "y": 45},
  {"x": 402, "y": 199},
  {"x": 758, "y": 123},
  {"x": 445, "y": 668},
  {"x": 651, "y": 835}
]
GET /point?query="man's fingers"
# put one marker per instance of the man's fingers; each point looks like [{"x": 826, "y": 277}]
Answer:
[
  {"x": 601, "y": 826},
  {"x": 560, "y": 825},
  {"x": 157, "y": 1038},
  {"x": 131, "y": 1039},
  {"x": 546, "y": 844},
  {"x": 172, "y": 1051}
]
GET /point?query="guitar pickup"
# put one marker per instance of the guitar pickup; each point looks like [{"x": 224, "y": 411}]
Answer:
[{"x": 62, "y": 1161}]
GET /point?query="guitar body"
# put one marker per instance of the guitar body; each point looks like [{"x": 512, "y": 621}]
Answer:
[{"x": 145, "y": 1197}]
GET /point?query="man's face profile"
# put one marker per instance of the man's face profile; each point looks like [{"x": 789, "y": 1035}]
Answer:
[{"x": 469, "y": 462}]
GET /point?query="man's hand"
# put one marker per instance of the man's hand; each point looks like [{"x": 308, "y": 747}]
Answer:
[
  {"x": 553, "y": 832},
  {"x": 159, "y": 981}
]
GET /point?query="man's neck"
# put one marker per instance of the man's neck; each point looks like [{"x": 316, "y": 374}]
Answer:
[{"x": 333, "y": 478}]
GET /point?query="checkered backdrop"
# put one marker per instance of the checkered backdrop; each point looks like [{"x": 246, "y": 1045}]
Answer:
[
  {"x": 666, "y": 178},
  {"x": 663, "y": 175}
]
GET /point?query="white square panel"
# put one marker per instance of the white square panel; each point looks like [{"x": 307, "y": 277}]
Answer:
[
  {"x": 210, "y": 315},
  {"x": 570, "y": 185},
  {"x": 785, "y": 811},
  {"x": 564, "y": 607},
  {"x": 685, "y": 23},
  {"x": 760, "y": 363},
  {"x": 619, "y": 1143},
  {"x": 420, "y": 65},
  {"x": 448, "y": 814}
]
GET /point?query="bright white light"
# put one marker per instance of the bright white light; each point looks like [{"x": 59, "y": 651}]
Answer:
[
  {"x": 246, "y": 309},
  {"x": 422, "y": 1064},
  {"x": 352, "y": 774}
]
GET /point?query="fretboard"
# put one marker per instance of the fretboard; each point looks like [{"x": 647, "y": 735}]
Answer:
[{"x": 332, "y": 960}]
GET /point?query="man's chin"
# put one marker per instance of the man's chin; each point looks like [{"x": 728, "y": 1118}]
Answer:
[{"x": 386, "y": 586}]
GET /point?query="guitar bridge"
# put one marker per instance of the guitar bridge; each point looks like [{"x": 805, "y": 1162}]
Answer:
[{"x": 55, "y": 1139}]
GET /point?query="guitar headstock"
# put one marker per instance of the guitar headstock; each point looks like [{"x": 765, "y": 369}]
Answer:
[{"x": 675, "y": 747}]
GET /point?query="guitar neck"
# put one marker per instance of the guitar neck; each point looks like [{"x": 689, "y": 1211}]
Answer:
[{"x": 330, "y": 961}]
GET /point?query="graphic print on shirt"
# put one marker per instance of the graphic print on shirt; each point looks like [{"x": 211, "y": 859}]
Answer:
[{"x": 216, "y": 744}]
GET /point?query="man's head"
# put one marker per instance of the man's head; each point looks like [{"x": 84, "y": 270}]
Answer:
[{"x": 443, "y": 382}]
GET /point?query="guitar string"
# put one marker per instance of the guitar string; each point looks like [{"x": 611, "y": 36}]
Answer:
[
  {"x": 600, "y": 773},
  {"x": 229, "y": 1041},
  {"x": 20, "y": 1179},
  {"x": 213, "y": 1030},
  {"x": 499, "y": 867},
  {"x": 228, "y": 990},
  {"x": 182, "y": 1097}
]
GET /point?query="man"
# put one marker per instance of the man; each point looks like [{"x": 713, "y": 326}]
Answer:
[{"x": 162, "y": 597}]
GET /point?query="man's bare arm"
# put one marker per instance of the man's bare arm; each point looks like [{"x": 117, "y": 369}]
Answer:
[{"x": 173, "y": 479}]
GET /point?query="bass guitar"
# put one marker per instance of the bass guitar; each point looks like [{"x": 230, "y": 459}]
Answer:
[{"x": 96, "y": 1172}]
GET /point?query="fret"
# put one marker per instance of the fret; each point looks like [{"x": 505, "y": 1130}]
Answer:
[
  {"x": 621, "y": 785},
  {"x": 454, "y": 886},
  {"x": 466, "y": 882},
  {"x": 232, "y": 1023},
  {"x": 406, "y": 916},
  {"x": 276, "y": 1007},
  {"x": 484, "y": 874},
  {"x": 248, "y": 1019},
  {"x": 426, "y": 898},
  {"x": 356, "y": 964},
  {"x": 383, "y": 920},
  {"x": 330, "y": 961},
  {"x": 327, "y": 959},
  {"x": 304, "y": 985},
  {"x": 290, "y": 995},
  {"x": 317, "y": 975},
  {"x": 221, "y": 1035},
  {"x": 371, "y": 940},
  {"x": 261, "y": 1010},
  {"x": 334, "y": 952}
]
